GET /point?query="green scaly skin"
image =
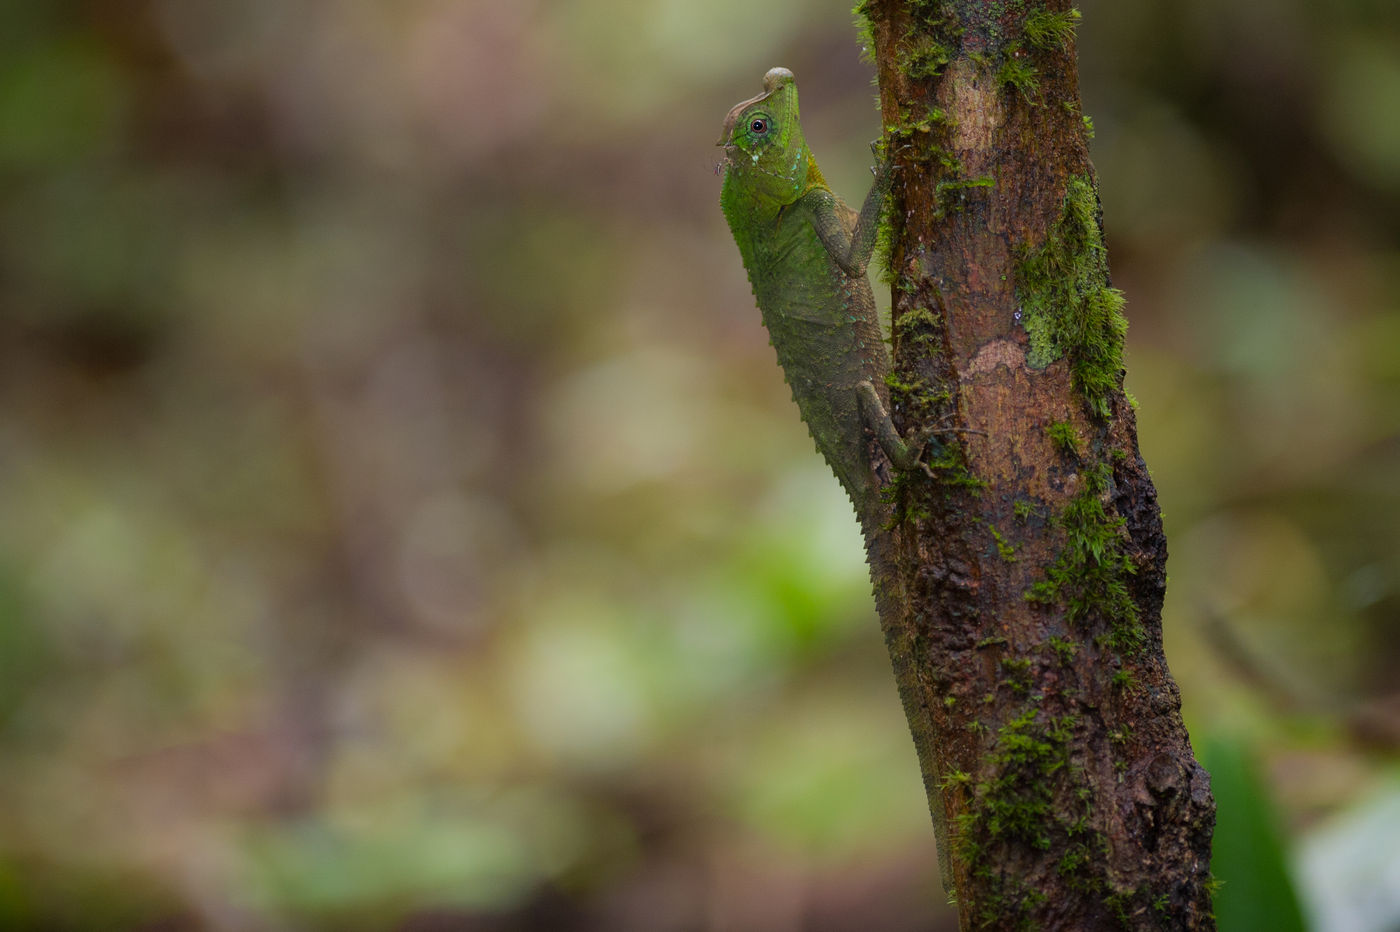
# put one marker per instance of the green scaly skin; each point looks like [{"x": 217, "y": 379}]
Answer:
[{"x": 806, "y": 254}]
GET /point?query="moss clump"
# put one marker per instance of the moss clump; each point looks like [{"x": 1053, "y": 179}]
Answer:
[
  {"x": 917, "y": 396},
  {"x": 916, "y": 134},
  {"x": 1064, "y": 648},
  {"x": 1018, "y": 674},
  {"x": 865, "y": 30},
  {"x": 924, "y": 60},
  {"x": 1075, "y": 859},
  {"x": 955, "y": 778},
  {"x": 1119, "y": 902},
  {"x": 951, "y": 465},
  {"x": 935, "y": 16},
  {"x": 951, "y": 193},
  {"x": 1005, "y": 549},
  {"x": 1016, "y": 802},
  {"x": 1065, "y": 438},
  {"x": 1045, "y": 30},
  {"x": 1090, "y": 574},
  {"x": 901, "y": 386},
  {"x": 1015, "y": 806},
  {"x": 1068, "y": 308},
  {"x": 932, "y": 40},
  {"x": 919, "y": 325},
  {"x": 923, "y": 120},
  {"x": 1017, "y": 72},
  {"x": 962, "y": 184},
  {"x": 883, "y": 257},
  {"x": 1119, "y": 737}
]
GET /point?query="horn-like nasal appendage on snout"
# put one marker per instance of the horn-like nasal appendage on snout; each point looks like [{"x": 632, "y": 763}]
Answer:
[{"x": 776, "y": 78}]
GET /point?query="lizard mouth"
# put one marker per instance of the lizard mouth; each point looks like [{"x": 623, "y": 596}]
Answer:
[{"x": 726, "y": 159}]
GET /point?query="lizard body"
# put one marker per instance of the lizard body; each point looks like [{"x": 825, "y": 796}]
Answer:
[{"x": 806, "y": 254}]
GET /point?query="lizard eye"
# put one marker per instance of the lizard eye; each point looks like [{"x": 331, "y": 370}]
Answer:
[{"x": 759, "y": 125}]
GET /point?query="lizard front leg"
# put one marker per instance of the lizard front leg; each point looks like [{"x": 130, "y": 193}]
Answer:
[{"x": 851, "y": 249}]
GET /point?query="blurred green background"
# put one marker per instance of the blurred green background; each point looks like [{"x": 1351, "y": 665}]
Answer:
[{"x": 405, "y": 525}]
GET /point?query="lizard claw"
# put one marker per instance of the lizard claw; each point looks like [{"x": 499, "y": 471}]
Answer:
[
  {"x": 918, "y": 443},
  {"x": 885, "y": 152}
]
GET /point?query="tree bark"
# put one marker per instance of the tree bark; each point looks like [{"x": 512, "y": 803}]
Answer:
[{"x": 1031, "y": 571}]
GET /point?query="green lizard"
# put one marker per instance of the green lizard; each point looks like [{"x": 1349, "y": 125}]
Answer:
[{"x": 806, "y": 254}]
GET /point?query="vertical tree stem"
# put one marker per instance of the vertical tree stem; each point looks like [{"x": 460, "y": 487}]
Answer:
[{"x": 1029, "y": 576}]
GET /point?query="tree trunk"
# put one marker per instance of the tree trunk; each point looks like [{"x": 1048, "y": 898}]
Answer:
[{"x": 1031, "y": 571}]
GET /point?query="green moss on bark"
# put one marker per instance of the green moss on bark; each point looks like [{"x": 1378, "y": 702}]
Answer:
[
  {"x": 1090, "y": 575},
  {"x": 1065, "y": 438},
  {"x": 1045, "y": 30},
  {"x": 1022, "y": 801},
  {"x": 1018, "y": 73},
  {"x": 1068, "y": 308}
]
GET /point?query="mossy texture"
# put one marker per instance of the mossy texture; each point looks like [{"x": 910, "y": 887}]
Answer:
[
  {"x": 1090, "y": 575},
  {"x": 1005, "y": 549},
  {"x": 926, "y": 59},
  {"x": 1068, "y": 308},
  {"x": 1065, "y": 649},
  {"x": 865, "y": 30},
  {"x": 1016, "y": 804},
  {"x": 1065, "y": 438},
  {"x": 1018, "y": 73},
  {"x": 1016, "y": 801},
  {"x": 1017, "y": 673},
  {"x": 1045, "y": 30},
  {"x": 919, "y": 324}
]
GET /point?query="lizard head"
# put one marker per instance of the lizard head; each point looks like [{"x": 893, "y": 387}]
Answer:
[{"x": 763, "y": 141}]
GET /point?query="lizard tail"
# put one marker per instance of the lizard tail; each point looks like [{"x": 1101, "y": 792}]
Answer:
[{"x": 899, "y": 622}]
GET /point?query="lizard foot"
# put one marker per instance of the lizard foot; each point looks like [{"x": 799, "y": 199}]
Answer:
[{"x": 899, "y": 451}]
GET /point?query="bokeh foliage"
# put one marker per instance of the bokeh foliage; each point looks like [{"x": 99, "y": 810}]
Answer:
[{"x": 405, "y": 521}]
